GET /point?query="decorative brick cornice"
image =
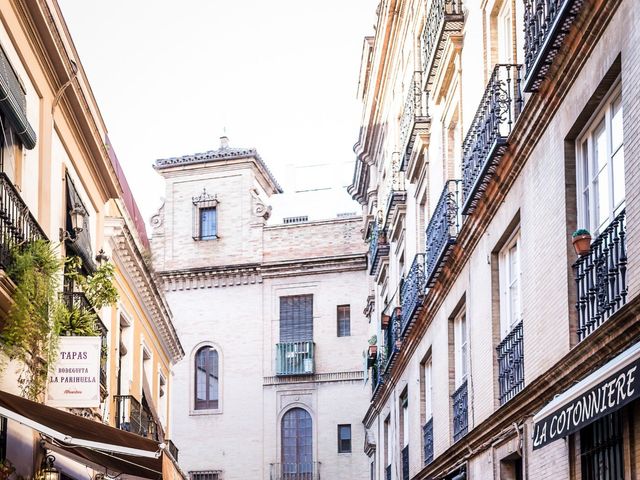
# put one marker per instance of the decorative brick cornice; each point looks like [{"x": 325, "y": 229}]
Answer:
[
  {"x": 356, "y": 376},
  {"x": 127, "y": 253},
  {"x": 250, "y": 274}
]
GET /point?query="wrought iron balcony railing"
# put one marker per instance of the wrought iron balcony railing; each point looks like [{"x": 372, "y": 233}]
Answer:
[
  {"x": 173, "y": 450},
  {"x": 442, "y": 230},
  {"x": 413, "y": 291},
  {"x": 387, "y": 472},
  {"x": 377, "y": 377},
  {"x": 486, "y": 140},
  {"x": 378, "y": 247},
  {"x": 546, "y": 24},
  {"x": 392, "y": 337},
  {"x": 396, "y": 194},
  {"x": 294, "y": 358},
  {"x": 79, "y": 301},
  {"x": 295, "y": 471},
  {"x": 511, "y": 364},
  {"x": 460, "y": 412},
  {"x": 601, "y": 278},
  {"x": 131, "y": 416},
  {"x": 445, "y": 18},
  {"x": 415, "y": 118},
  {"x": 427, "y": 441},
  {"x": 405, "y": 462},
  {"x": 17, "y": 224}
]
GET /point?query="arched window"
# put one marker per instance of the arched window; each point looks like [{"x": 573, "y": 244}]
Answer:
[
  {"x": 206, "y": 381},
  {"x": 297, "y": 445}
]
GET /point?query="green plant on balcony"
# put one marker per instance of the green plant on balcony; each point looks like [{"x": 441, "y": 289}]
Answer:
[
  {"x": 38, "y": 316},
  {"x": 581, "y": 239}
]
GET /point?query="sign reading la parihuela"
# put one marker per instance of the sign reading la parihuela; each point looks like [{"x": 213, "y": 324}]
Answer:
[{"x": 75, "y": 379}]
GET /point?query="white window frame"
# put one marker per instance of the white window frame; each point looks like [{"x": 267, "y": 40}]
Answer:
[
  {"x": 504, "y": 33},
  {"x": 461, "y": 347},
  {"x": 510, "y": 274},
  {"x": 405, "y": 419},
  {"x": 588, "y": 182},
  {"x": 428, "y": 389}
]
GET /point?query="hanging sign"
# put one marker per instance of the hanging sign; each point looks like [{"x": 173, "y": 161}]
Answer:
[{"x": 75, "y": 379}]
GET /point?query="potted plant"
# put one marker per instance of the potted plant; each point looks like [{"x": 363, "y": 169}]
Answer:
[
  {"x": 384, "y": 320},
  {"x": 581, "y": 241},
  {"x": 373, "y": 347}
]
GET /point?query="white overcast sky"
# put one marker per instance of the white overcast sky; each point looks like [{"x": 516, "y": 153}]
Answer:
[{"x": 279, "y": 75}]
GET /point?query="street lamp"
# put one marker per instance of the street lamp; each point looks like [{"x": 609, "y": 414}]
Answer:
[
  {"x": 76, "y": 215},
  {"x": 48, "y": 471}
]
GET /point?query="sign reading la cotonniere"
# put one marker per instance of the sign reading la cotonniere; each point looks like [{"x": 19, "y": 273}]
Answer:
[
  {"x": 609, "y": 395},
  {"x": 75, "y": 379}
]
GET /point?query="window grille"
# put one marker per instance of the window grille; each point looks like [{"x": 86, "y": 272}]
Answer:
[
  {"x": 299, "y": 219},
  {"x": 601, "y": 449},
  {"x": 205, "y": 216},
  {"x": 206, "y": 475}
]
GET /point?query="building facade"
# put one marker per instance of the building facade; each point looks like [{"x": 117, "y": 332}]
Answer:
[
  {"x": 491, "y": 132},
  {"x": 61, "y": 183},
  {"x": 271, "y": 320}
]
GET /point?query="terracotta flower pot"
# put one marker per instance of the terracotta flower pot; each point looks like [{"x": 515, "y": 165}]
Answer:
[
  {"x": 384, "y": 321},
  {"x": 582, "y": 244},
  {"x": 373, "y": 350}
]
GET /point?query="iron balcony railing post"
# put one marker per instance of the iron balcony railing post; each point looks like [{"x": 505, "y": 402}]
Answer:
[
  {"x": 412, "y": 291},
  {"x": 427, "y": 439}
]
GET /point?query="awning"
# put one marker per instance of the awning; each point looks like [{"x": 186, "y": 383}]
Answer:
[
  {"x": 117, "y": 450},
  {"x": 606, "y": 390}
]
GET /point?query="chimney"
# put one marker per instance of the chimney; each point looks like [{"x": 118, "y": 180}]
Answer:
[{"x": 224, "y": 142}]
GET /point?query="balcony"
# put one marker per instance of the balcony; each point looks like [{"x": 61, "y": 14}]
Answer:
[
  {"x": 601, "y": 278},
  {"x": 376, "y": 373},
  {"x": 131, "y": 416},
  {"x": 17, "y": 225},
  {"x": 295, "y": 471},
  {"x": 546, "y": 24},
  {"x": 378, "y": 247},
  {"x": 511, "y": 364},
  {"x": 427, "y": 441},
  {"x": 405, "y": 462},
  {"x": 486, "y": 140},
  {"x": 412, "y": 292},
  {"x": 460, "y": 412},
  {"x": 79, "y": 301},
  {"x": 445, "y": 18},
  {"x": 442, "y": 230},
  {"x": 294, "y": 358},
  {"x": 392, "y": 337},
  {"x": 415, "y": 119}
]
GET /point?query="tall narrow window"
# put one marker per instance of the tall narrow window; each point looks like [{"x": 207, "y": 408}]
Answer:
[
  {"x": 510, "y": 313},
  {"x": 296, "y": 318},
  {"x": 344, "y": 438},
  {"x": 387, "y": 443},
  {"x": 297, "y": 445},
  {"x": 461, "y": 344},
  {"x": 601, "y": 448},
  {"x": 505, "y": 33},
  {"x": 404, "y": 434},
  {"x": 600, "y": 152},
  {"x": 206, "y": 379},
  {"x": 208, "y": 223},
  {"x": 427, "y": 410},
  {"x": 344, "y": 320}
]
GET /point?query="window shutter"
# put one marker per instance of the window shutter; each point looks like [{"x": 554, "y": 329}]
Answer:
[{"x": 296, "y": 318}]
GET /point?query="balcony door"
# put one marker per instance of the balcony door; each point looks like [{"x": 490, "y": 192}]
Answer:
[{"x": 297, "y": 445}]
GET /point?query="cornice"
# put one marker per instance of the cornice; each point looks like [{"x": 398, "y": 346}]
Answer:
[
  {"x": 251, "y": 274},
  {"x": 127, "y": 253}
]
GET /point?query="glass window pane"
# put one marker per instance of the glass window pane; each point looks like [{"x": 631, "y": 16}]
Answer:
[
  {"x": 604, "y": 209},
  {"x": 616, "y": 125},
  {"x": 618, "y": 177},
  {"x": 600, "y": 147}
]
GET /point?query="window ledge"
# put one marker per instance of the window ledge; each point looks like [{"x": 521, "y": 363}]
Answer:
[{"x": 211, "y": 411}]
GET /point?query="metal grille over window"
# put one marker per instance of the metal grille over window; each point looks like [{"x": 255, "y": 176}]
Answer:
[
  {"x": 511, "y": 364},
  {"x": 206, "y": 475},
  {"x": 13, "y": 102},
  {"x": 205, "y": 216},
  {"x": 601, "y": 449},
  {"x": 460, "y": 409}
]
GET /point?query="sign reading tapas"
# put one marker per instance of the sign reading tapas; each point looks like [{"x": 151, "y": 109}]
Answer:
[
  {"x": 75, "y": 379},
  {"x": 607, "y": 396}
]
